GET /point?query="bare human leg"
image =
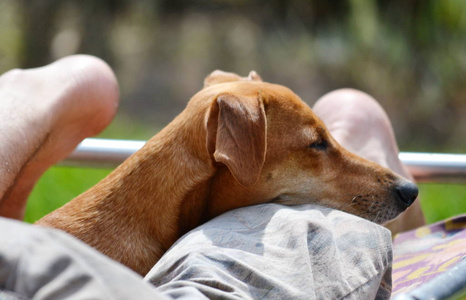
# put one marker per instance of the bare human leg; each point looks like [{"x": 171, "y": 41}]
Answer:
[
  {"x": 361, "y": 125},
  {"x": 44, "y": 114}
]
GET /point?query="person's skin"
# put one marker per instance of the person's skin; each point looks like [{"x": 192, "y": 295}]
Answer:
[
  {"x": 360, "y": 125},
  {"x": 46, "y": 112}
]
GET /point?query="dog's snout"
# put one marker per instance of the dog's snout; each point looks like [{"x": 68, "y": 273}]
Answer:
[{"x": 406, "y": 193}]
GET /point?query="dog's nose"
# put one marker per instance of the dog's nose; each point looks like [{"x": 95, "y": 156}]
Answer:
[{"x": 406, "y": 192}]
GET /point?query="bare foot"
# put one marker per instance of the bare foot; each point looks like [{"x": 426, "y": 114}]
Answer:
[
  {"x": 44, "y": 114},
  {"x": 361, "y": 125}
]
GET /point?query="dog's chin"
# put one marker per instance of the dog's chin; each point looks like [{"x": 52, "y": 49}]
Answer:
[
  {"x": 293, "y": 200},
  {"x": 384, "y": 216},
  {"x": 379, "y": 213}
]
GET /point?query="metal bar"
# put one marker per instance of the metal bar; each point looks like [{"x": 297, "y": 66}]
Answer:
[
  {"x": 101, "y": 153},
  {"x": 426, "y": 167},
  {"x": 436, "y": 167}
]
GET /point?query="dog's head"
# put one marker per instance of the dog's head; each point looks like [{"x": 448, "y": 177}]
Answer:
[{"x": 268, "y": 146}]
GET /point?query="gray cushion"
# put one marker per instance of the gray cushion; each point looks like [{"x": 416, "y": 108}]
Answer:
[{"x": 277, "y": 252}]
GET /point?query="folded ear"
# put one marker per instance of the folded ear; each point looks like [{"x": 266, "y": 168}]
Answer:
[
  {"x": 218, "y": 76},
  {"x": 253, "y": 76},
  {"x": 237, "y": 135}
]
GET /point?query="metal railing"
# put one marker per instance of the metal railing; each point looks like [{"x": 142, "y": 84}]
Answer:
[{"x": 425, "y": 167}]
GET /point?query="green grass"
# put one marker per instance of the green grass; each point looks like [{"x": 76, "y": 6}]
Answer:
[
  {"x": 61, "y": 184},
  {"x": 58, "y": 186},
  {"x": 441, "y": 201}
]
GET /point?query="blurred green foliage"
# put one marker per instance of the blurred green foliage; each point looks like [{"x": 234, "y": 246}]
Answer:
[
  {"x": 57, "y": 187},
  {"x": 408, "y": 54},
  {"x": 441, "y": 201}
]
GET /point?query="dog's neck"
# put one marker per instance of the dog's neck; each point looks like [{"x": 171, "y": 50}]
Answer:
[{"x": 147, "y": 202}]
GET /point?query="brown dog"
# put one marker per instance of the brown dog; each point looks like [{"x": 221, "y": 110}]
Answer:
[{"x": 239, "y": 142}]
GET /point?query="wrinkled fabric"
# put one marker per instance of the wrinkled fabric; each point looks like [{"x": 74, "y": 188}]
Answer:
[
  {"x": 41, "y": 263},
  {"x": 262, "y": 252},
  {"x": 276, "y": 252}
]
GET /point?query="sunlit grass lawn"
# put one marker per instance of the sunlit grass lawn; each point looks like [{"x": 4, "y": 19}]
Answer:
[
  {"x": 441, "y": 201},
  {"x": 60, "y": 184}
]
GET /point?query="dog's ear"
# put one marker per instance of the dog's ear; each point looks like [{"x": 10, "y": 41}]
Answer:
[
  {"x": 253, "y": 76},
  {"x": 218, "y": 76},
  {"x": 237, "y": 135}
]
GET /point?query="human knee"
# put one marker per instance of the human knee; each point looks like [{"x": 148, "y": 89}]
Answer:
[
  {"x": 94, "y": 71},
  {"x": 94, "y": 81},
  {"x": 356, "y": 105},
  {"x": 346, "y": 97},
  {"x": 10, "y": 77}
]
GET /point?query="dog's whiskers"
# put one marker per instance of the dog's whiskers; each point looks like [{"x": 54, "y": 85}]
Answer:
[
  {"x": 375, "y": 218},
  {"x": 346, "y": 205},
  {"x": 353, "y": 201},
  {"x": 372, "y": 209}
]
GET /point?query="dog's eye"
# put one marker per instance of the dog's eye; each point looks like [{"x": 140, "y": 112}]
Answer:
[{"x": 319, "y": 145}]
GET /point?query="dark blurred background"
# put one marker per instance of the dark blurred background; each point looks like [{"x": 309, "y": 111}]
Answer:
[{"x": 408, "y": 54}]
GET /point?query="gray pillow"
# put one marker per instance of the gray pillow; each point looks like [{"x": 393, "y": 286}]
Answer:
[{"x": 272, "y": 251}]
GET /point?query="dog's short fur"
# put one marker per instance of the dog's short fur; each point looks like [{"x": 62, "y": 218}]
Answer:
[{"x": 239, "y": 142}]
